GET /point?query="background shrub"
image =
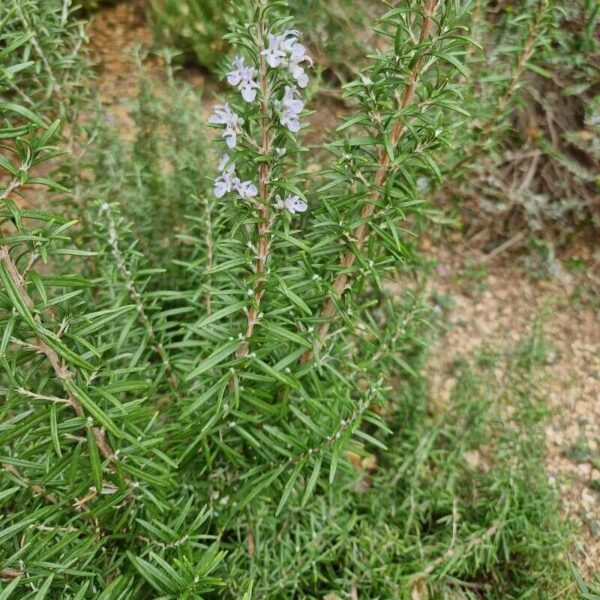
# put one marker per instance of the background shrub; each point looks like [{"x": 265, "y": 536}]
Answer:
[{"x": 337, "y": 30}]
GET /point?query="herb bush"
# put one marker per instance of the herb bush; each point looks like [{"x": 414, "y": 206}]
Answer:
[
  {"x": 337, "y": 31},
  {"x": 190, "y": 372},
  {"x": 530, "y": 154}
]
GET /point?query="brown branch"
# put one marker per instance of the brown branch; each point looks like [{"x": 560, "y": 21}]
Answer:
[
  {"x": 264, "y": 212},
  {"x": 385, "y": 165},
  {"x": 62, "y": 372}
]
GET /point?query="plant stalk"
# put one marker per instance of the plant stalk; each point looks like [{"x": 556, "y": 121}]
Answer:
[
  {"x": 62, "y": 372},
  {"x": 340, "y": 282},
  {"x": 264, "y": 211}
]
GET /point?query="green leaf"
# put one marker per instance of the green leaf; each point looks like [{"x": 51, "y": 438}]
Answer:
[
  {"x": 285, "y": 379},
  {"x": 293, "y": 297},
  {"x": 218, "y": 315},
  {"x": 452, "y": 60},
  {"x": 92, "y": 408},
  {"x": 15, "y": 297},
  {"x": 43, "y": 591},
  {"x": 9, "y": 589},
  {"x": 54, "y": 430},
  {"x": 6, "y": 335},
  {"x": 312, "y": 482},
  {"x": 7, "y": 532},
  {"x": 54, "y": 342},
  {"x": 24, "y": 112},
  {"x": 217, "y": 357},
  {"x": 95, "y": 462},
  {"x": 289, "y": 487},
  {"x": 153, "y": 575},
  {"x": 7, "y": 166},
  {"x": 48, "y": 182}
]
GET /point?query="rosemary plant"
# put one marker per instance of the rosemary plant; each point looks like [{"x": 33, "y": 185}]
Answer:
[{"x": 192, "y": 370}]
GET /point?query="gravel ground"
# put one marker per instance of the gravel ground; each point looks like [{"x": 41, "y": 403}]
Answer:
[{"x": 495, "y": 306}]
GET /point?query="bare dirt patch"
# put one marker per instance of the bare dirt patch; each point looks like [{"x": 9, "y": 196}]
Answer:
[
  {"x": 494, "y": 306},
  {"x": 116, "y": 33}
]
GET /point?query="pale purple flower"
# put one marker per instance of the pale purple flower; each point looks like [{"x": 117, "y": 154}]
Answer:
[
  {"x": 279, "y": 47},
  {"x": 242, "y": 77},
  {"x": 225, "y": 183},
  {"x": 288, "y": 38},
  {"x": 229, "y": 182},
  {"x": 225, "y": 116},
  {"x": 299, "y": 74},
  {"x": 285, "y": 50},
  {"x": 246, "y": 189},
  {"x": 236, "y": 76},
  {"x": 298, "y": 53},
  {"x": 248, "y": 89},
  {"x": 298, "y": 56},
  {"x": 291, "y": 109},
  {"x": 223, "y": 163},
  {"x": 294, "y": 205},
  {"x": 274, "y": 53},
  {"x": 290, "y": 121}
]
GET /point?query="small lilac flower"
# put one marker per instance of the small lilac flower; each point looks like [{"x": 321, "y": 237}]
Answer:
[
  {"x": 248, "y": 90},
  {"x": 225, "y": 116},
  {"x": 223, "y": 163},
  {"x": 235, "y": 76},
  {"x": 299, "y": 74},
  {"x": 291, "y": 109},
  {"x": 298, "y": 56},
  {"x": 288, "y": 38},
  {"x": 274, "y": 53},
  {"x": 246, "y": 189},
  {"x": 243, "y": 78},
  {"x": 294, "y": 205},
  {"x": 285, "y": 50},
  {"x": 225, "y": 183},
  {"x": 298, "y": 53}
]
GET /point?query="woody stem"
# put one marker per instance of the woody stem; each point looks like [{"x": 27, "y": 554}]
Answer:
[
  {"x": 328, "y": 310},
  {"x": 264, "y": 212}
]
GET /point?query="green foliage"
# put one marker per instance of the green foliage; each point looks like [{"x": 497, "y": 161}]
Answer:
[
  {"x": 587, "y": 591},
  {"x": 41, "y": 54},
  {"x": 91, "y": 5},
  {"x": 156, "y": 446},
  {"x": 530, "y": 153},
  {"x": 159, "y": 177},
  {"x": 197, "y": 28},
  {"x": 458, "y": 503}
]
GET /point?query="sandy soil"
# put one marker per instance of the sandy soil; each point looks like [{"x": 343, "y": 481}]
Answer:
[{"x": 495, "y": 305}]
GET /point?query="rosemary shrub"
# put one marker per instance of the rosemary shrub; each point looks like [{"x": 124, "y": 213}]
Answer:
[{"x": 189, "y": 361}]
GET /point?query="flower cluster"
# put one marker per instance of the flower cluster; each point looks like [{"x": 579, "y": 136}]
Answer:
[
  {"x": 285, "y": 50},
  {"x": 291, "y": 107},
  {"x": 228, "y": 181},
  {"x": 242, "y": 77}
]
